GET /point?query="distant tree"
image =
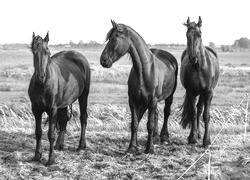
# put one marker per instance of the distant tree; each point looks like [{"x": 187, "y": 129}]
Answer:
[
  {"x": 71, "y": 43},
  {"x": 242, "y": 43},
  {"x": 212, "y": 45},
  {"x": 81, "y": 43},
  {"x": 93, "y": 42},
  {"x": 226, "y": 48}
]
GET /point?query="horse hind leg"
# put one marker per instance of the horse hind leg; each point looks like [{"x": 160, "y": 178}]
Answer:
[
  {"x": 62, "y": 118},
  {"x": 199, "y": 113},
  {"x": 83, "y": 102},
  {"x": 167, "y": 109}
]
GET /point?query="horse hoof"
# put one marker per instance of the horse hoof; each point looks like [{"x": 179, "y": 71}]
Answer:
[
  {"x": 206, "y": 143},
  {"x": 192, "y": 140},
  {"x": 199, "y": 135},
  {"x": 50, "y": 162},
  {"x": 59, "y": 147},
  {"x": 149, "y": 151},
  {"x": 37, "y": 156},
  {"x": 132, "y": 150},
  {"x": 81, "y": 148},
  {"x": 165, "y": 139},
  {"x": 157, "y": 139}
]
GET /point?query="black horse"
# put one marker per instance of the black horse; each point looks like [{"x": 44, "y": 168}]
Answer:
[
  {"x": 153, "y": 78},
  {"x": 57, "y": 82},
  {"x": 199, "y": 76}
]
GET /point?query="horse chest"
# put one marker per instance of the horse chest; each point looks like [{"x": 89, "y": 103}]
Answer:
[{"x": 193, "y": 80}]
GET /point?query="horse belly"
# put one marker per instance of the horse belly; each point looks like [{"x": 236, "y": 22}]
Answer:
[
  {"x": 71, "y": 91},
  {"x": 165, "y": 86}
]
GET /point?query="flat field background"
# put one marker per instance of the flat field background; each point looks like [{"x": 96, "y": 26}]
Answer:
[{"x": 108, "y": 130}]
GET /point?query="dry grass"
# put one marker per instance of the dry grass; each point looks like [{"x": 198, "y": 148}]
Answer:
[
  {"x": 108, "y": 136},
  {"x": 108, "y": 130}
]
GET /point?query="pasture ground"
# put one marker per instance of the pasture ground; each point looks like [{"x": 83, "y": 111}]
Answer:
[{"x": 108, "y": 131}]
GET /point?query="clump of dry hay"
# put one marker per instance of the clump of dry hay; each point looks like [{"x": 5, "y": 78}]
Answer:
[{"x": 18, "y": 117}]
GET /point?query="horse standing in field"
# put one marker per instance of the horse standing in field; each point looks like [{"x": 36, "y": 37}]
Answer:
[
  {"x": 199, "y": 76},
  {"x": 57, "y": 82},
  {"x": 152, "y": 78}
]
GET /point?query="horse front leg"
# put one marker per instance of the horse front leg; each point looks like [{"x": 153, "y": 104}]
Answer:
[
  {"x": 193, "y": 136},
  {"x": 199, "y": 113},
  {"x": 150, "y": 126},
  {"x": 38, "y": 131},
  {"x": 137, "y": 111},
  {"x": 206, "y": 118},
  {"x": 51, "y": 135},
  {"x": 156, "y": 134}
]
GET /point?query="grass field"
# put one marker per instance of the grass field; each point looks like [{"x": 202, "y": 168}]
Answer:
[{"x": 108, "y": 131}]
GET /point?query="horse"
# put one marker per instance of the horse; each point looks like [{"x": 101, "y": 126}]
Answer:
[
  {"x": 153, "y": 77},
  {"x": 199, "y": 75},
  {"x": 56, "y": 83}
]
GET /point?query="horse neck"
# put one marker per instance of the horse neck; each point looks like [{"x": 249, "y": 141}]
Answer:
[
  {"x": 142, "y": 58},
  {"x": 202, "y": 55}
]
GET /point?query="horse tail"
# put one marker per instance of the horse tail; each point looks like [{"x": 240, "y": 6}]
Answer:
[{"x": 187, "y": 112}]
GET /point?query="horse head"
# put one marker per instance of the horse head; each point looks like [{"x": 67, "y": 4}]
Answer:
[
  {"x": 117, "y": 46},
  {"x": 41, "y": 55},
  {"x": 193, "y": 39}
]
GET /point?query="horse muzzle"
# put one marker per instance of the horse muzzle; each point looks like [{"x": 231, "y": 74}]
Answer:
[
  {"x": 41, "y": 77},
  {"x": 105, "y": 62},
  {"x": 193, "y": 59}
]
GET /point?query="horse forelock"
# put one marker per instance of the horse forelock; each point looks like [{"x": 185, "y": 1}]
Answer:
[
  {"x": 120, "y": 28},
  {"x": 37, "y": 43},
  {"x": 193, "y": 27}
]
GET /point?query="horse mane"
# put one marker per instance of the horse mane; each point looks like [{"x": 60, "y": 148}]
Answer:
[
  {"x": 109, "y": 34},
  {"x": 183, "y": 54},
  {"x": 124, "y": 29},
  {"x": 212, "y": 50}
]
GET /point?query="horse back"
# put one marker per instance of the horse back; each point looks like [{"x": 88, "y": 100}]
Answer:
[
  {"x": 166, "y": 58},
  {"x": 72, "y": 62}
]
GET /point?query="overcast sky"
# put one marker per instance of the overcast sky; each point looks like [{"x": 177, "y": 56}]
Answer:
[{"x": 157, "y": 21}]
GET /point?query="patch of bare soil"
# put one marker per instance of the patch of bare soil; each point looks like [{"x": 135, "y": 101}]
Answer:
[{"x": 105, "y": 158}]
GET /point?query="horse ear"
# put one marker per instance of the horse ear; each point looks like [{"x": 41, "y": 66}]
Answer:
[
  {"x": 114, "y": 24},
  {"x": 46, "y": 39},
  {"x": 199, "y": 22},
  {"x": 33, "y": 35},
  {"x": 188, "y": 21}
]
